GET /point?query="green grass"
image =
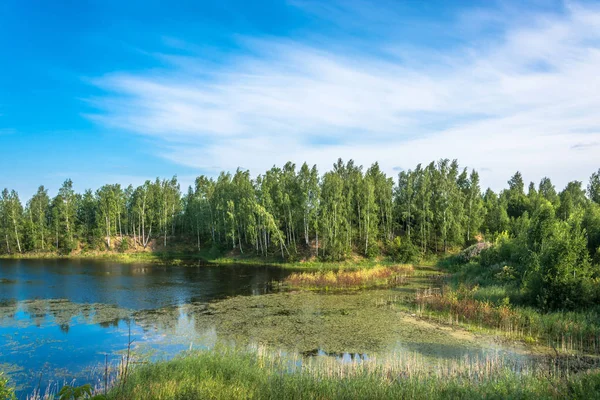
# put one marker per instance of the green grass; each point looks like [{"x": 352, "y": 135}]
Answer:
[
  {"x": 208, "y": 256},
  {"x": 565, "y": 331},
  {"x": 490, "y": 296},
  {"x": 139, "y": 257},
  {"x": 260, "y": 374},
  {"x": 6, "y": 391}
]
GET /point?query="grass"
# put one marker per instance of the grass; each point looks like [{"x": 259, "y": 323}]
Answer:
[
  {"x": 6, "y": 391},
  {"x": 363, "y": 278},
  {"x": 207, "y": 255},
  {"x": 183, "y": 253},
  {"x": 566, "y": 331},
  {"x": 262, "y": 374},
  {"x": 490, "y": 297},
  {"x": 127, "y": 258}
]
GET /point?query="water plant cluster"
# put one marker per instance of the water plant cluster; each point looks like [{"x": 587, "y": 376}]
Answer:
[{"x": 379, "y": 276}]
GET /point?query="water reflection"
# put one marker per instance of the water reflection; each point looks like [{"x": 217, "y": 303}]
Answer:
[
  {"x": 58, "y": 319},
  {"x": 129, "y": 286},
  {"x": 61, "y": 320}
]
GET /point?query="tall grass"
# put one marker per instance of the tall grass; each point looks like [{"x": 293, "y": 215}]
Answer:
[
  {"x": 263, "y": 374},
  {"x": 6, "y": 391},
  {"x": 342, "y": 280},
  {"x": 567, "y": 331}
]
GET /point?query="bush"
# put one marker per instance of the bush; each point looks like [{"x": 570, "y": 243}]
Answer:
[
  {"x": 404, "y": 251},
  {"x": 373, "y": 249},
  {"x": 124, "y": 245}
]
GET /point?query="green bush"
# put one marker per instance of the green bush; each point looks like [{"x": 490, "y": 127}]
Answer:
[
  {"x": 124, "y": 245},
  {"x": 403, "y": 251}
]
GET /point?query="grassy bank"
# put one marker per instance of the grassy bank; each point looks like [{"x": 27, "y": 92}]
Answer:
[
  {"x": 565, "y": 331},
  {"x": 260, "y": 374},
  {"x": 209, "y": 256},
  {"x": 127, "y": 258},
  {"x": 478, "y": 296}
]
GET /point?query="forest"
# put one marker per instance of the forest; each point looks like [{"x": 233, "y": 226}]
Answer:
[{"x": 548, "y": 239}]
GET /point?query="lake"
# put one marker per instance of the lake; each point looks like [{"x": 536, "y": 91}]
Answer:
[
  {"x": 60, "y": 318},
  {"x": 65, "y": 320}
]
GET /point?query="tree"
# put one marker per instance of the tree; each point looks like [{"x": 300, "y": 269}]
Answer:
[
  {"x": 108, "y": 208},
  {"x": 67, "y": 206},
  {"x": 473, "y": 206},
  {"x": 37, "y": 209},
  {"x": 405, "y": 201},
  {"x": 291, "y": 212},
  {"x": 496, "y": 217},
  {"x": 516, "y": 201},
  {"x": 572, "y": 198},
  {"x": 87, "y": 215},
  {"x": 369, "y": 211},
  {"x": 564, "y": 268},
  {"x": 308, "y": 182},
  {"x": 594, "y": 187},
  {"x": 11, "y": 214}
]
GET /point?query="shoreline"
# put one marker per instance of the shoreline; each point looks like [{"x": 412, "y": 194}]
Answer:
[{"x": 202, "y": 258}]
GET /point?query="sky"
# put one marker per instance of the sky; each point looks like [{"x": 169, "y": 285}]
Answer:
[{"x": 120, "y": 92}]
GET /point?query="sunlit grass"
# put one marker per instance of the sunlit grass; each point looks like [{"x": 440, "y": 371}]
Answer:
[
  {"x": 378, "y": 276},
  {"x": 263, "y": 374},
  {"x": 567, "y": 331}
]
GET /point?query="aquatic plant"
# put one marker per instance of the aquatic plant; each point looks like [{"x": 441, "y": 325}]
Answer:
[{"x": 362, "y": 278}]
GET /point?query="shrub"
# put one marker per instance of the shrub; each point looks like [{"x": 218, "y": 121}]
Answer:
[{"x": 404, "y": 251}]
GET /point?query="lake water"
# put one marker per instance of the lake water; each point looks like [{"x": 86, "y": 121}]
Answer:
[
  {"x": 64, "y": 320},
  {"x": 61, "y": 320}
]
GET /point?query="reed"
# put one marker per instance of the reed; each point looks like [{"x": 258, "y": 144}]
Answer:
[
  {"x": 259, "y": 373},
  {"x": 377, "y": 276},
  {"x": 566, "y": 331}
]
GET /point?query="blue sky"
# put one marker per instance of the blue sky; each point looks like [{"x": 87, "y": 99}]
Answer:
[{"x": 107, "y": 91}]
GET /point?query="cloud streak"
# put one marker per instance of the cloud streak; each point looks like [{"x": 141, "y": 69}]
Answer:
[{"x": 526, "y": 98}]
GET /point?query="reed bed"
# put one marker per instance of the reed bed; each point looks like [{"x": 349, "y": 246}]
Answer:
[
  {"x": 260, "y": 373},
  {"x": 378, "y": 276},
  {"x": 566, "y": 331}
]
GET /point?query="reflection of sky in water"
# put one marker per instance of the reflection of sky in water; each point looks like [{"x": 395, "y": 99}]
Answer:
[
  {"x": 49, "y": 352},
  {"x": 44, "y": 340}
]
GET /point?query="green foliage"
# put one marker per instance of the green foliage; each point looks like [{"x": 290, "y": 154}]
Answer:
[
  {"x": 561, "y": 270},
  {"x": 404, "y": 251},
  {"x": 75, "y": 392},
  {"x": 6, "y": 392},
  {"x": 124, "y": 245}
]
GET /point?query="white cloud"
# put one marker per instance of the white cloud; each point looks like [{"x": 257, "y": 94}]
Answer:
[{"x": 526, "y": 100}]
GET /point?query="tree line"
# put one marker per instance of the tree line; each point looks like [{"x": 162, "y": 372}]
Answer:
[{"x": 294, "y": 212}]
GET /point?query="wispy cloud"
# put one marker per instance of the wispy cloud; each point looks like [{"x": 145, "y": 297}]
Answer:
[
  {"x": 583, "y": 146},
  {"x": 517, "y": 100}
]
